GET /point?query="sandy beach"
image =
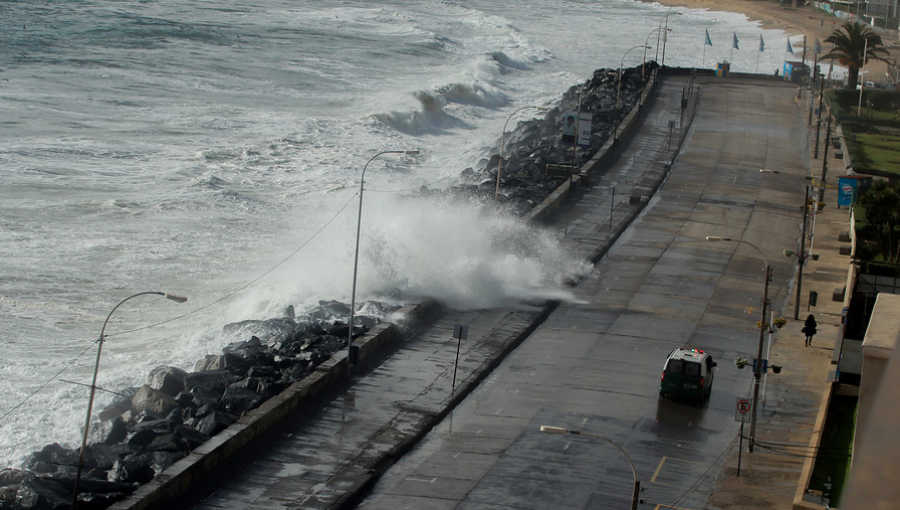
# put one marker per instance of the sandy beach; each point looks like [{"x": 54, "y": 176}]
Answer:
[{"x": 795, "y": 21}]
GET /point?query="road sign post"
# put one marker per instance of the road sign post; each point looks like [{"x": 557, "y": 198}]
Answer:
[
  {"x": 460, "y": 333},
  {"x": 741, "y": 411}
]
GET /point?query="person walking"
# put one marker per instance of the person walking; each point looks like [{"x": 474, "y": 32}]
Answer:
[{"x": 809, "y": 328}]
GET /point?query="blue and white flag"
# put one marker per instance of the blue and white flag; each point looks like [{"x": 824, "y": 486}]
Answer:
[
  {"x": 790, "y": 48},
  {"x": 762, "y": 44},
  {"x": 734, "y": 43},
  {"x": 708, "y": 40}
]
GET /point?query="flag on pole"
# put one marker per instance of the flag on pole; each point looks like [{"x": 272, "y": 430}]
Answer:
[
  {"x": 762, "y": 44},
  {"x": 790, "y": 49},
  {"x": 708, "y": 40},
  {"x": 818, "y": 46},
  {"x": 734, "y": 43}
]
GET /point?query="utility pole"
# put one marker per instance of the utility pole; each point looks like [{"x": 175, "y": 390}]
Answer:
[
  {"x": 801, "y": 257},
  {"x": 825, "y": 160},
  {"x": 758, "y": 366},
  {"x": 819, "y": 118}
]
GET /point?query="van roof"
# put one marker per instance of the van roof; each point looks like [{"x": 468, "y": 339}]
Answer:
[{"x": 686, "y": 353}]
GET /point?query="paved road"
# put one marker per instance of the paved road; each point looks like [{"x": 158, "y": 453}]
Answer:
[
  {"x": 325, "y": 457},
  {"x": 594, "y": 365}
]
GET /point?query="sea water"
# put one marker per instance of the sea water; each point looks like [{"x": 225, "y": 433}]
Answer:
[{"x": 214, "y": 149}]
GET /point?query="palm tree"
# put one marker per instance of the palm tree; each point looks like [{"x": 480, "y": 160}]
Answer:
[{"x": 850, "y": 41}]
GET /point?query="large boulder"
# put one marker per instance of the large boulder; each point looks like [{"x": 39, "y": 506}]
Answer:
[
  {"x": 169, "y": 380},
  {"x": 168, "y": 443},
  {"x": 238, "y": 401},
  {"x": 150, "y": 400},
  {"x": 267, "y": 330},
  {"x": 50, "y": 458},
  {"x": 119, "y": 406},
  {"x": 215, "y": 380},
  {"x": 110, "y": 433},
  {"x": 210, "y": 363},
  {"x": 25, "y": 490},
  {"x": 131, "y": 471},
  {"x": 212, "y": 423}
]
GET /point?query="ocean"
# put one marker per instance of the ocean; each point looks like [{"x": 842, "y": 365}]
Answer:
[{"x": 214, "y": 150}]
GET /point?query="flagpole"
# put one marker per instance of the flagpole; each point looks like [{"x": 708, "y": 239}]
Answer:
[
  {"x": 815, "y": 71},
  {"x": 758, "y": 52},
  {"x": 703, "y": 60},
  {"x": 802, "y": 64},
  {"x": 865, "y": 51}
]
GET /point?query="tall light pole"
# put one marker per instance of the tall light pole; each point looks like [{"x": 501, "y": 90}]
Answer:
[
  {"x": 801, "y": 257},
  {"x": 362, "y": 183},
  {"x": 87, "y": 419},
  {"x": 664, "y": 36},
  {"x": 644, "y": 60},
  {"x": 548, "y": 429},
  {"x": 758, "y": 366},
  {"x": 619, "y": 91},
  {"x": 503, "y": 134}
]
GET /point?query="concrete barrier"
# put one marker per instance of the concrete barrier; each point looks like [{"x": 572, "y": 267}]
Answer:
[
  {"x": 178, "y": 477},
  {"x": 603, "y": 157}
]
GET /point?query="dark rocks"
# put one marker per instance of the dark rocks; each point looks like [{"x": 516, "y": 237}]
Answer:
[
  {"x": 212, "y": 423},
  {"x": 147, "y": 429},
  {"x": 23, "y": 489},
  {"x": 119, "y": 406},
  {"x": 532, "y": 145},
  {"x": 169, "y": 380},
  {"x": 148, "y": 399}
]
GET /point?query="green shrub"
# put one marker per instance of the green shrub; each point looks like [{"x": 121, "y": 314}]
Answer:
[{"x": 887, "y": 100}]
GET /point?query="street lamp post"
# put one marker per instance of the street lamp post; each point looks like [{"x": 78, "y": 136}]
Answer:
[
  {"x": 87, "y": 419},
  {"x": 502, "y": 135},
  {"x": 619, "y": 91},
  {"x": 758, "y": 366},
  {"x": 548, "y": 429},
  {"x": 644, "y": 60},
  {"x": 801, "y": 257},
  {"x": 362, "y": 182},
  {"x": 663, "y": 35}
]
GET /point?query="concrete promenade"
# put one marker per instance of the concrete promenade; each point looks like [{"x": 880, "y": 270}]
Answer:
[
  {"x": 325, "y": 456},
  {"x": 776, "y": 474},
  {"x": 658, "y": 284},
  {"x": 594, "y": 364}
]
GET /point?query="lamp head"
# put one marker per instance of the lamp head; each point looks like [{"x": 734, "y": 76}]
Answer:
[{"x": 174, "y": 297}]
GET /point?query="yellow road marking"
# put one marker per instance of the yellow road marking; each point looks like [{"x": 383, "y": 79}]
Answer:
[{"x": 659, "y": 468}]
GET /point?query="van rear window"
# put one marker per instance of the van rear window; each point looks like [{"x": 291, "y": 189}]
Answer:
[{"x": 677, "y": 366}]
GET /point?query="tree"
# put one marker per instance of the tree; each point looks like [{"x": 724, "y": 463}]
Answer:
[
  {"x": 850, "y": 41},
  {"x": 882, "y": 204}
]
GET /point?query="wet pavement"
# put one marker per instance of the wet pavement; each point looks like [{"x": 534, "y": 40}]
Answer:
[
  {"x": 326, "y": 457},
  {"x": 592, "y": 364}
]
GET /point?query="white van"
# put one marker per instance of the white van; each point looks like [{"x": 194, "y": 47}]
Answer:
[{"x": 687, "y": 373}]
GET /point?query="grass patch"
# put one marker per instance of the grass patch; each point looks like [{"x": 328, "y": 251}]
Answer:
[
  {"x": 873, "y": 149},
  {"x": 872, "y": 132}
]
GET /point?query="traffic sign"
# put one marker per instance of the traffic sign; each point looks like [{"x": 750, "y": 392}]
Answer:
[{"x": 742, "y": 409}]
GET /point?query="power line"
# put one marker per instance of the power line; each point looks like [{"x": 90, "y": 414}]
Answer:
[{"x": 188, "y": 314}]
